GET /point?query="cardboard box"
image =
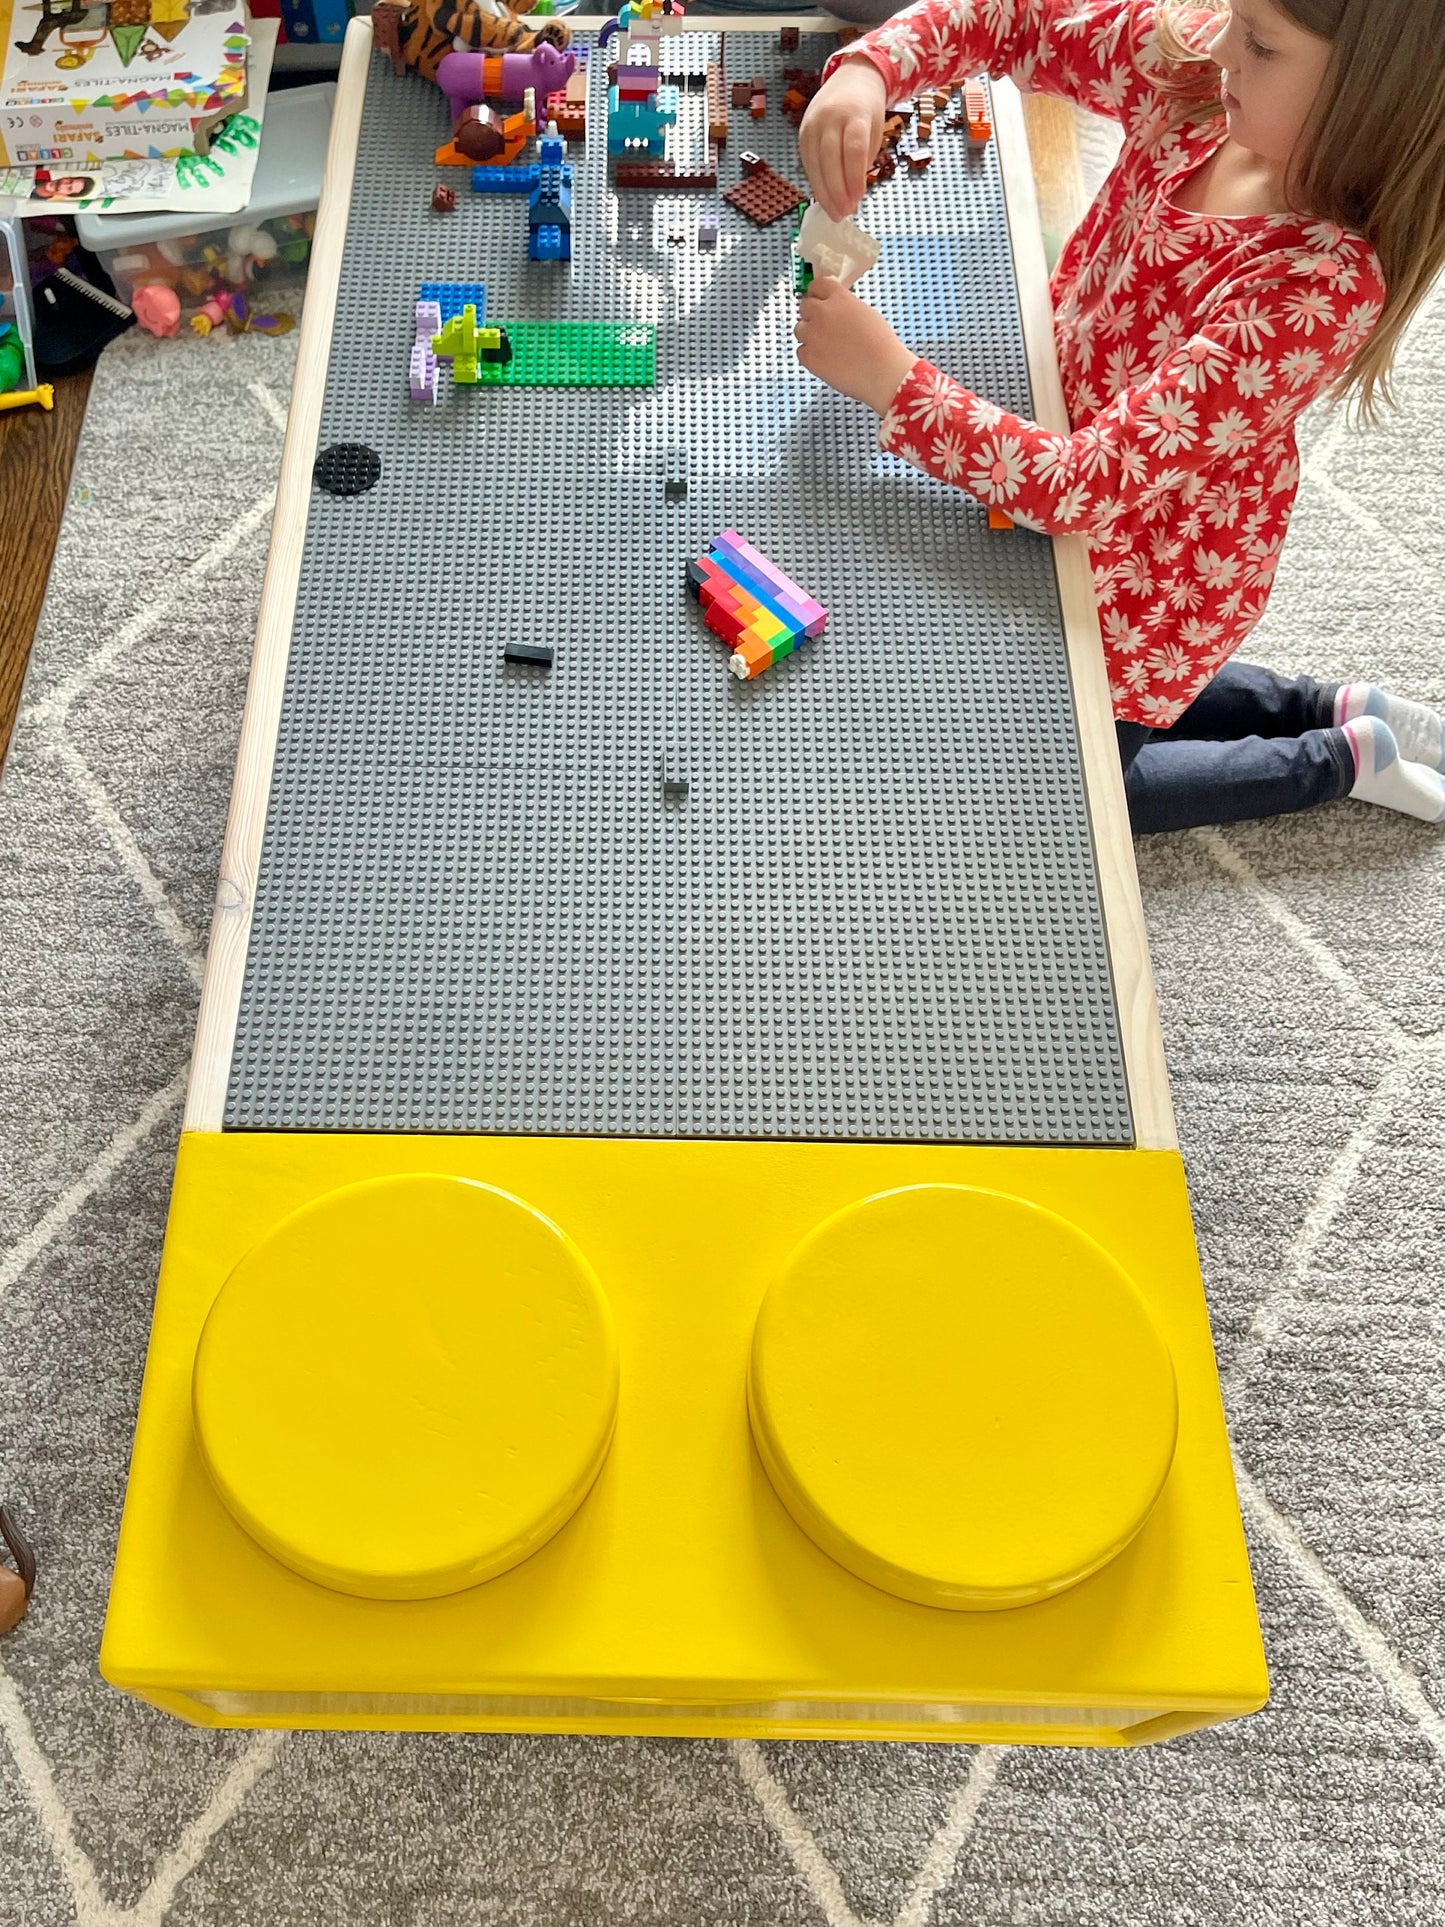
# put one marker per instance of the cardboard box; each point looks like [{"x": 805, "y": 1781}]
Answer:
[{"x": 117, "y": 79}]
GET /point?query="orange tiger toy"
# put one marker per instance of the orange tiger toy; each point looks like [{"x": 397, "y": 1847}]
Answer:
[{"x": 421, "y": 34}]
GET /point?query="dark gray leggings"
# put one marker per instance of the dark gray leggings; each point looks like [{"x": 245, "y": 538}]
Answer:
[{"x": 1252, "y": 743}]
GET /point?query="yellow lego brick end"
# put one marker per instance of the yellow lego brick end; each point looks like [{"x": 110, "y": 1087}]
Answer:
[
  {"x": 312, "y": 1485},
  {"x": 407, "y": 1387},
  {"x": 961, "y": 1397}
]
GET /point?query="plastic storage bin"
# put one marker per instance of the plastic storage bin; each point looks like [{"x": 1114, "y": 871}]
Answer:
[
  {"x": 17, "y": 350},
  {"x": 269, "y": 240}
]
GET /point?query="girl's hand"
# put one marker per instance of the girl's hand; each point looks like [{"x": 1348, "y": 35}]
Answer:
[
  {"x": 840, "y": 135},
  {"x": 846, "y": 343}
]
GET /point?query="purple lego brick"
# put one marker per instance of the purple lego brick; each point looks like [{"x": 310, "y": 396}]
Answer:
[
  {"x": 797, "y": 601},
  {"x": 422, "y": 377}
]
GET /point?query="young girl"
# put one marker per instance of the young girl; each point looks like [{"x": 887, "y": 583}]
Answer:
[{"x": 1274, "y": 217}]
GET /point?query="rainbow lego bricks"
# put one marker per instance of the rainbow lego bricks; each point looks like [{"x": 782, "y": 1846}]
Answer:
[{"x": 758, "y": 611}]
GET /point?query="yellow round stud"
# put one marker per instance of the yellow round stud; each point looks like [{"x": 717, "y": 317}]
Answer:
[
  {"x": 961, "y": 1397},
  {"x": 407, "y": 1387}
]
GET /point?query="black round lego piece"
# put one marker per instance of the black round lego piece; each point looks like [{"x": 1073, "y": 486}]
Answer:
[{"x": 347, "y": 468}]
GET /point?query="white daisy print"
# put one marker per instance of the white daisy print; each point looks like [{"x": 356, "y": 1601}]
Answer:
[
  {"x": 1169, "y": 421},
  {"x": 1215, "y": 571},
  {"x": 1355, "y": 327},
  {"x": 1301, "y": 367},
  {"x": 1184, "y": 594},
  {"x": 1199, "y": 363},
  {"x": 1308, "y": 309},
  {"x": 1052, "y": 463},
  {"x": 1231, "y": 433},
  {"x": 1198, "y": 632},
  {"x": 1071, "y": 504},
  {"x": 948, "y": 457},
  {"x": 1000, "y": 470},
  {"x": 1170, "y": 661},
  {"x": 935, "y": 400},
  {"x": 1121, "y": 635},
  {"x": 1248, "y": 320}
]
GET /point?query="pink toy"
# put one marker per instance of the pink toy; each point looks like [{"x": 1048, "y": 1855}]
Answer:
[
  {"x": 467, "y": 78},
  {"x": 157, "y": 309}
]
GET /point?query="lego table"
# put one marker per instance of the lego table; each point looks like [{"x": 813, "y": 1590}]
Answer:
[{"x": 678, "y": 1226}]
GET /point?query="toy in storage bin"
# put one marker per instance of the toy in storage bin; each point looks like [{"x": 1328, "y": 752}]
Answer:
[
  {"x": 269, "y": 240},
  {"x": 17, "y": 334}
]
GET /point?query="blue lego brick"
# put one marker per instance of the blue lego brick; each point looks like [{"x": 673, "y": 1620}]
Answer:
[
  {"x": 550, "y": 244},
  {"x": 504, "y": 180},
  {"x": 452, "y": 296},
  {"x": 552, "y": 198}
]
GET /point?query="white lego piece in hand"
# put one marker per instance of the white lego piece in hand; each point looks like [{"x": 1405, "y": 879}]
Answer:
[{"x": 839, "y": 249}]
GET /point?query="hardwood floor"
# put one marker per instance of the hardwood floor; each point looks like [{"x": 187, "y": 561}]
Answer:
[{"x": 37, "y": 450}]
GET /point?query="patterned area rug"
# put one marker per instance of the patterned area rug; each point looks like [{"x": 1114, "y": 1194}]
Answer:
[{"x": 1299, "y": 968}]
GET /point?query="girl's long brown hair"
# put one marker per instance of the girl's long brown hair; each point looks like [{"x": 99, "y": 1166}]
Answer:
[{"x": 1372, "y": 154}]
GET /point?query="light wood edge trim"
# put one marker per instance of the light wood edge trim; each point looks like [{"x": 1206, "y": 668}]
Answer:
[
  {"x": 1143, "y": 1041},
  {"x": 250, "y": 791}
]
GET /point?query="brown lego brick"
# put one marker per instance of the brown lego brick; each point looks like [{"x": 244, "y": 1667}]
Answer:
[
  {"x": 801, "y": 83},
  {"x": 717, "y": 107},
  {"x": 742, "y": 92},
  {"x": 788, "y": 38},
  {"x": 568, "y": 108},
  {"x": 386, "y": 33},
  {"x": 764, "y": 196},
  {"x": 660, "y": 175}
]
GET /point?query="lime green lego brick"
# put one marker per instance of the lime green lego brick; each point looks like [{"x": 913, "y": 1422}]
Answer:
[{"x": 575, "y": 354}]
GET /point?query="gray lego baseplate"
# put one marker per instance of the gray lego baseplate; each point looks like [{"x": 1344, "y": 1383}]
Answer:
[{"x": 628, "y": 894}]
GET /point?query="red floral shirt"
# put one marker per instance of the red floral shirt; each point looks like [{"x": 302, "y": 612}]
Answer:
[{"x": 1188, "y": 344}]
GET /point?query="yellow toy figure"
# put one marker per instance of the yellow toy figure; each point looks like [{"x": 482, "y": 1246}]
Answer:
[{"x": 419, "y": 35}]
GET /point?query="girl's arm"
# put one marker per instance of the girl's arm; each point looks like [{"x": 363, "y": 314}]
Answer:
[
  {"x": 1260, "y": 352},
  {"x": 1100, "y": 53},
  {"x": 1240, "y": 378}
]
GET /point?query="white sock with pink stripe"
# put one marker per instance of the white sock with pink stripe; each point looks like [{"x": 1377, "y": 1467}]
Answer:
[
  {"x": 1385, "y": 777},
  {"x": 1418, "y": 731}
]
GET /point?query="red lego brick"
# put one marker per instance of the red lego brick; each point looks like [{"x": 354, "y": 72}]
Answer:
[
  {"x": 788, "y": 38},
  {"x": 764, "y": 196}
]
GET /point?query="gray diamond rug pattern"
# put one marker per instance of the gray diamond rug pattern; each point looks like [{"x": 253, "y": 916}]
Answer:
[{"x": 1299, "y": 968}]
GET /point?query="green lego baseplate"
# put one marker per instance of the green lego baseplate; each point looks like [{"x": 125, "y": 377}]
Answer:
[{"x": 572, "y": 354}]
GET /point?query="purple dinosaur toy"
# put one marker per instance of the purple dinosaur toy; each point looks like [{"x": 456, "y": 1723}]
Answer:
[{"x": 467, "y": 78}]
